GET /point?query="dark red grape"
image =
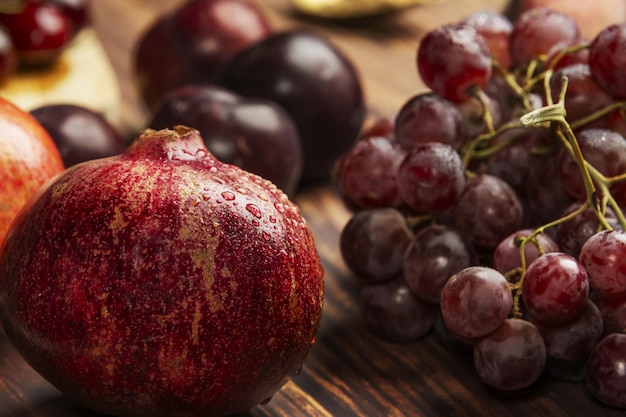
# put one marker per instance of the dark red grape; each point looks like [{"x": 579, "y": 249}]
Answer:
[
  {"x": 607, "y": 58},
  {"x": 488, "y": 210},
  {"x": 431, "y": 177},
  {"x": 429, "y": 118},
  {"x": 495, "y": 29},
  {"x": 392, "y": 311},
  {"x": 604, "y": 257},
  {"x": 452, "y": 60},
  {"x": 475, "y": 301},
  {"x": 366, "y": 176},
  {"x": 506, "y": 256},
  {"x": 254, "y": 134},
  {"x": 315, "y": 82},
  {"x": 604, "y": 149},
  {"x": 613, "y": 310},
  {"x": 583, "y": 96},
  {"x": 606, "y": 378},
  {"x": 373, "y": 242},
  {"x": 81, "y": 134},
  {"x": 538, "y": 32},
  {"x": 574, "y": 340},
  {"x": 555, "y": 288},
  {"x": 40, "y": 32},
  {"x": 512, "y": 357},
  {"x": 435, "y": 254},
  {"x": 572, "y": 234}
]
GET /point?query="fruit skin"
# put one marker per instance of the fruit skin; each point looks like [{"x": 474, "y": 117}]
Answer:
[
  {"x": 315, "y": 82},
  {"x": 28, "y": 158},
  {"x": 80, "y": 133},
  {"x": 254, "y": 134},
  {"x": 162, "y": 282},
  {"x": 193, "y": 43}
]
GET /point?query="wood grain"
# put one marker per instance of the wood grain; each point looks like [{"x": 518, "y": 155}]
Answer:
[{"x": 349, "y": 371}]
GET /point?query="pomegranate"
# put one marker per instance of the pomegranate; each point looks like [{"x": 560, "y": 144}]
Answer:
[
  {"x": 28, "y": 158},
  {"x": 162, "y": 282}
]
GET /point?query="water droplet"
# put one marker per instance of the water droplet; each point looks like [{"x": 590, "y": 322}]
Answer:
[
  {"x": 272, "y": 219},
  {"x": 254, "y": 210},
  {"x": 206, "y": 197},
  {"x": 213, "y": 170},
  {"x": 255, "y": 223},
  {"x": 266, "y": 235},
  {"x": 298, "y": 371},
  {"x": 228, "y": 196},
  {"x": 279, "y": 207},
  {"x": 263, "y": 197},
  {"x": 241, "y": 190}
]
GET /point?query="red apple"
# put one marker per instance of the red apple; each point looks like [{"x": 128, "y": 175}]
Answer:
[
  {"x": 193, "y": 43},
  {"x": 162, "y": 282},
  {"x": 28, "y": 158}
]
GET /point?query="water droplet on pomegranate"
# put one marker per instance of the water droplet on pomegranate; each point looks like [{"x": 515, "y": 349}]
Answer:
[
  {"x": 241, "y": 190},
  {"x": 263, "y": 197},
  {"x": 279, "y": 207},
  {"x": 228, "y": 196},
  {"x": 213, "y": 170},
  {"x": 206, "y": 197},
  {"x": 266, "y": 235},
  {"x": 201, "y": 153},
  {"x": 255, "y": 223},
  {"x": 267, "y": 400},
  {"x": 272, "y": 219},
  {"x": 254, "y": 210}
]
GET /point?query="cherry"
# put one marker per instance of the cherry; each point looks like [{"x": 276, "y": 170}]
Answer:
[{"x": 40, "y": 32}]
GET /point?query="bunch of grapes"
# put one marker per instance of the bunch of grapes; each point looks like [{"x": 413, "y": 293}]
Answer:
[{"x": 490, "y": 208}]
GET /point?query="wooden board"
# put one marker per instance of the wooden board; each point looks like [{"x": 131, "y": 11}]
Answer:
[{"x": 349, "y": 372}]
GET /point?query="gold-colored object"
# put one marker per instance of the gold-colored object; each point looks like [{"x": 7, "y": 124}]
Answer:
[{"x": 353, "y": 9}]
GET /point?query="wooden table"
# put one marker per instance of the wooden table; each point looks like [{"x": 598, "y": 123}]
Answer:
[{"x": 349, "y": 372}]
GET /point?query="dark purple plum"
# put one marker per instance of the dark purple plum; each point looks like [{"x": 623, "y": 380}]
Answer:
[
  {"x": 254, "y": 134},
  {"x": 191, "y": 44},
  {"x": 315, "y": 82},
  {"x": 81, "y": 134}
]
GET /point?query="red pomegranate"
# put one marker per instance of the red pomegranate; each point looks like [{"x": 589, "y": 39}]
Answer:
[{"x": 162, "y": 282}]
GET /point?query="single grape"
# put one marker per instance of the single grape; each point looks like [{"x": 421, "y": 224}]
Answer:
[
  {"x": 435, "y": 254},
  {"x": 473, "y": 111},
  {"x": 431, "y": 177},
  {"x": 606, "y": 377},
  {"x": 555, "y": 288},
  {"x": 475, "y": 301},
  {"x": 607, "y": 58},
  {"x": 452, "y": 60},
  {"x": 506, "y": 256},
  {"x": 604, "y": 149},
  {"x": 583, "y": 96},
  {"x": 538, "y": 32},
  {"x": 604, "y": 257},
  {"x": 429, "y": 117},
  {"x": 516, "y": 159},
  {"x": 366, "y": 175},
  {"x": 394, "y": 313},
  {"x": 613, "y": 310},
  {"x": 488, "y": 210},
  {"x": 572, "y": 234},
  {"x": 495, "y": 29},
  {"x": 573, "y": 340},
  {"x": 547, "y": 200},
  {"x": 512, "y": 357},
  {"x": 373, "y": 242}
]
